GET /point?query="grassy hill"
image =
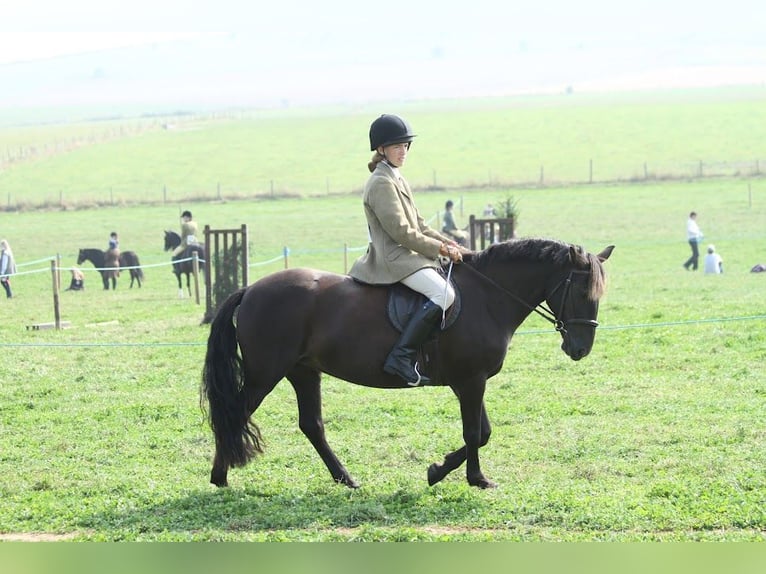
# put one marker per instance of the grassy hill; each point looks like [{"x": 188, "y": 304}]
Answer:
[{"x": 461, "y": 144}]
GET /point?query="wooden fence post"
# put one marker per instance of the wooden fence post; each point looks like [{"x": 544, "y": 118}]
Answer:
[
  {"x": 345, "y": 258},
  {"x": 245, "y": 256},
  {"x": 195, "y": 271},
  {"x": 58, "y": 270},
  {"x": 56, "y": 309}
]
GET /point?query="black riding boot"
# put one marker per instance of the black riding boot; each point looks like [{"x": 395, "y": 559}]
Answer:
[{"x": 401, "y": 360}]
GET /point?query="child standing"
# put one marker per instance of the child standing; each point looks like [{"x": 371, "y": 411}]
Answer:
[{"x": 7, "y": 267}]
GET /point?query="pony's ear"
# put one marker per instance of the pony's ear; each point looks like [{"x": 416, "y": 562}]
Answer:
[
  {"x": 576, "y": 254},
  {"x": 604, "y": 255}
]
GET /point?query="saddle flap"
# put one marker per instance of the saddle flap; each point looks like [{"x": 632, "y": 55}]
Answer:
[{"x": 403, "y": 302}]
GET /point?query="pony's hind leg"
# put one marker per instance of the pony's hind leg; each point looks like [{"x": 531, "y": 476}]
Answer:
[
  {"x": 256, "y": 393},
  {"x": 307, "y": 385}
]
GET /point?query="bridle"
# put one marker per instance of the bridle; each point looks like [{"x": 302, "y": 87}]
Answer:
[
  {"x": 552, "y": 317},
  {"x": 542, "y": 309}
]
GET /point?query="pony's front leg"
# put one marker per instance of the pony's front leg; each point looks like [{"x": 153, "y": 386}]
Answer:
[
  {"x": 473, "y": 412},
  {"x": 180, "y": 286},
  {"x": 436, "y": 472}
]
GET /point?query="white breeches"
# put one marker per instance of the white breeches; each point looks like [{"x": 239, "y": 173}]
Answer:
[{"x": 428, "y": 282}]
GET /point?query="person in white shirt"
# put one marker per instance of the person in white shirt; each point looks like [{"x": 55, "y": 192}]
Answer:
[
  {"x": 7, "y": 267},
  {"x": 694, "y": 235},
  {"x": 713, "y": 261}
]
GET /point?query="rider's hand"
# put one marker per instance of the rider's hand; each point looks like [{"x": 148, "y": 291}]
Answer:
[{"x": 451, "y": 251}]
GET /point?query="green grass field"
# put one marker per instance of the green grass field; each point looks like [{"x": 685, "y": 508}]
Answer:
[
  {"x": 657, "y": 435},
  {"x": 473, "y": 143}
]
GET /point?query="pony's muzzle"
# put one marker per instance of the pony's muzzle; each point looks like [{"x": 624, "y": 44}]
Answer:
[{"x": 574, "y": 351}]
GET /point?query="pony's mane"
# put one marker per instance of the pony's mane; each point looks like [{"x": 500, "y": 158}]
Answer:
[{"x": 545, "y": 251}]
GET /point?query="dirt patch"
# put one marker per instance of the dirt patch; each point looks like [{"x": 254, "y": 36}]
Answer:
[{"x": 36, "y": 537}]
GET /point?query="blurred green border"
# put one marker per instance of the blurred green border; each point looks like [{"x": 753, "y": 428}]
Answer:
[{"x": 383, "y": 558}]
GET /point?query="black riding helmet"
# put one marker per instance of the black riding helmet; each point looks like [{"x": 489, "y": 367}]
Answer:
[{"x": 389, "y": 129}]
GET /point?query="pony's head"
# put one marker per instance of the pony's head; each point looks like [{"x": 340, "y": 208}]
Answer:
[
  {"x": 169, "y": 243},
  {"x": 568, "y": 279},
  {"x": 574, "y": 295}
]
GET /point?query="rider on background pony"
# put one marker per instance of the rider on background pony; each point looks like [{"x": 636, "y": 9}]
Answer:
[
  {"x": 450, "y": 228},
  {"x": 188, "y": 233}
]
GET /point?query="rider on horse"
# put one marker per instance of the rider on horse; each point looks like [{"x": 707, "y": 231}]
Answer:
[
  {"x": 402, "y": 248},
  {"x": 112, "y": 254},
  {"x": 188, "y": 233}
]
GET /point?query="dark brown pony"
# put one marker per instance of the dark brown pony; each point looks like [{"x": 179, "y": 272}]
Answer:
[
  {"x": 109, "y": 262},
  {"x": 182, "y": 263},
  {"x": 300, "y": 323}
]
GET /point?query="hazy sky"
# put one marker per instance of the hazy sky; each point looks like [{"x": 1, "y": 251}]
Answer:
[
  {"x": 406, "y": 47},
  {"x": 474, "y": 25}
]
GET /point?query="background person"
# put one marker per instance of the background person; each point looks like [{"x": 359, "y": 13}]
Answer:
[
  {"x": 78, "y": 280},
  {"x": 188, "y": 233},
  {"x": 694, "y": 236},
  {"x": 114, "y": 241},
  {"x": 449, "y": 227},
  {"x": 713, "y": 261},
  {"x": 7, "y": 267},
  {"x": 112, "y": 256},
  {"x": 402, "y": 248}
]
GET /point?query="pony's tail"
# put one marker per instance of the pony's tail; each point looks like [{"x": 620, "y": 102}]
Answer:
[
  {"x": 139, "y": 269},
  {"x": 237, "y": 438}
]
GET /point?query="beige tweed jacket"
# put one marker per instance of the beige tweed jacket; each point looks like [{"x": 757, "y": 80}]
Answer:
[{"x": 400, "y": 240}]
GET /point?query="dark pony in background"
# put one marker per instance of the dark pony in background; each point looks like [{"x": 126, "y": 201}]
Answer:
[
  {"x": 182, "y": 263},
  {"x": 109, "y": 265},
  {"x": 300, "y": 323}
]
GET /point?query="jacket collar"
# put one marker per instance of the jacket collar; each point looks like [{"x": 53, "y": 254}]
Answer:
[{"x": 394, "y": 175}]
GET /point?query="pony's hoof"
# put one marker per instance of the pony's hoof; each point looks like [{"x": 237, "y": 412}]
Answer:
[
  {"x": 434, "y": 474},
  {"x": 348, "y": 481},
  {"x": 482, "y": 483},
  {"x": 218, "y": 480}
]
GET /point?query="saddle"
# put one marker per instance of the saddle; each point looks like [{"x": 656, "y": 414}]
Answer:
[
  {"x": 189, "y": 250},
  {"x": 402, "y": 304}
]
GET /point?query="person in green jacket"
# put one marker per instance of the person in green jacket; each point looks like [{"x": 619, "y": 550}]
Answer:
[
  {"x": 402, "y": 247},
  {"x": 188, "y": 233}
]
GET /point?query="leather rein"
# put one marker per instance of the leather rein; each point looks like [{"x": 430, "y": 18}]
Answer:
[{"x": 542, "y": 309}]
